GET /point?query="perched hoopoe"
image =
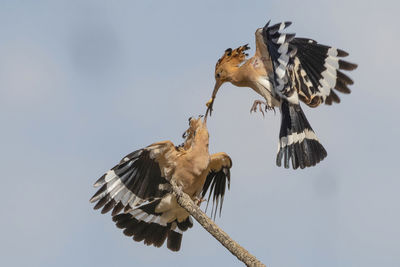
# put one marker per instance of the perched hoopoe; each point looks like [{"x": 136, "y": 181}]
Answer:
[
  {"x": 139, "y": 186},
  {"x": 285, "y": 70}
]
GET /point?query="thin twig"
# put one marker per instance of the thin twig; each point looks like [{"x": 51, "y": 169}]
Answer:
[{"x": 237, "y": 250}]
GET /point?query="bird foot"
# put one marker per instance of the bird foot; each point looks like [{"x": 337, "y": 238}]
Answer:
[
  {"x": 258, "y": 105},
  {"x": 199, "y": 200}
]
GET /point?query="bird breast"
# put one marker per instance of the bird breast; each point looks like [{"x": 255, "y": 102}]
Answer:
[{"x": 191, "y": 172}]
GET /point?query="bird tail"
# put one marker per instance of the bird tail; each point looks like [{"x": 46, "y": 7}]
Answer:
[
  {"x": 297, "y": 140},
  {"x": 145, "y": 224}
]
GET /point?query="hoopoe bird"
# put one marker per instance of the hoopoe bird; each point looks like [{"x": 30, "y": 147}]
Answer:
[
  {"x": 138, "y": 189},
  {"x": 284, "y": 71}
]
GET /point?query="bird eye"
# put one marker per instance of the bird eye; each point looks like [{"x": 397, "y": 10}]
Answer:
[{"x": 217, "y": 76}]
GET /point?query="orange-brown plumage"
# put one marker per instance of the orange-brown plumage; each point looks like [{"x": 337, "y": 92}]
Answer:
[
  {"x": 139, "y": 186},
  {"x": 286, "y": 71}
]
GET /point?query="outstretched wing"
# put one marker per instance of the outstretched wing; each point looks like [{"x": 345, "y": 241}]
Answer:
[
  {"x": 304, "y": 69},
  {"x": 281, "y": 54},
  {"x": 317, "y": 71},
  {"x": 219, "y": 174},
  {"x": 140, "y": 176}
]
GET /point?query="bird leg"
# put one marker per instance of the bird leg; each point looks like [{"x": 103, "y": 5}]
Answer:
[{"x": 258, "y": 104}]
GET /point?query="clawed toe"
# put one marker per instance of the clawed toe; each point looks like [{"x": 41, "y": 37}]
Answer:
[
  {"x": 258, "y": 104},
  {"x": 199, "y": 200},
  {"x": 267, "y": 107}
]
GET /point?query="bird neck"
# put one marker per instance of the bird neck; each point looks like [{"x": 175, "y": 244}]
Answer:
[
  {"x": 239, "y": 76},
  {"x": 200, "y": 142}
]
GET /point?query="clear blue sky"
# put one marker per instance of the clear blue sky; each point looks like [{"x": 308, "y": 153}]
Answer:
[{"x": 82, "y": 83}]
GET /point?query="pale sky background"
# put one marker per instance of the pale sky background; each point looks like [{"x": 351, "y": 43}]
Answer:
[{"x": 83, "y": 83}]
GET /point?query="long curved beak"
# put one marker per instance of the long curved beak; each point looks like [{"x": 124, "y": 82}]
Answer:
[{"x": 210, "y": 102}]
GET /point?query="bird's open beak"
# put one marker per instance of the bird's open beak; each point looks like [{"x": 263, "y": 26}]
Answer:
[{"x": 210, "y": 102}]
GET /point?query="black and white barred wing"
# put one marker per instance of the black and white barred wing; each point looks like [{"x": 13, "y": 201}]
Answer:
[
  {"x": 218, "y": 178},
  {"x": 139, "y": 184},
  {"x": 281, "y": 54},
  {"x": 305, "y": 69},
  {"x": 318, "y": 70},
  {"x": 140, "y": 176}
]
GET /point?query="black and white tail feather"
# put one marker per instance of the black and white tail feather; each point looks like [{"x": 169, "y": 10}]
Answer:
[
  {"x": 297, "y": 140},
  {"x": 305, "y": 70}
]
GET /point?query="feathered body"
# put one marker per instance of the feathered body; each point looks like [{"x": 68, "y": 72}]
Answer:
[
  {"x": 284, "y": 71},
  {"x": 140, "y": 186}
]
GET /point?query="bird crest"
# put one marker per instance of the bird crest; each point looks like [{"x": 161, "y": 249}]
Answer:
[{"x": 234, "y": 57}]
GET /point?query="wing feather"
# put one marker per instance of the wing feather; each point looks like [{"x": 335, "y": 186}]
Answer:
[
  {"x": 322, "y": 64},
  {"x": 304, "y": 68},
  {"x": 217, "y": 180},
  {"x": 141, "y": 176},
  {"x": 281, "y": 54}
]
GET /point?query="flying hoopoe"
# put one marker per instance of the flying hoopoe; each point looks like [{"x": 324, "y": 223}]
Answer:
[
  {"x": 139, "y": 186},
  {"x": 285, "y": 70}
]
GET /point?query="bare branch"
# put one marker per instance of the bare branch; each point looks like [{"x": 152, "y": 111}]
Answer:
[{"x": 242, "y": 254}]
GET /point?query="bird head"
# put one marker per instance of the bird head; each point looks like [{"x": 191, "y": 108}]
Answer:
[
  {"x": 196, "y": 127},
  {"x": 226, "y": 66}
]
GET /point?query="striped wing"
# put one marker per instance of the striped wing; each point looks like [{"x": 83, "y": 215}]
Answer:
[
  {"x": 305, "y": 69},
  {"x": 146, "y": 223},
  {"x": 217, "y": 179},
  {"x": 318, "y": 70},
  {"x": 281, "y": 54},
  {"x": 141, "y": 176}
]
